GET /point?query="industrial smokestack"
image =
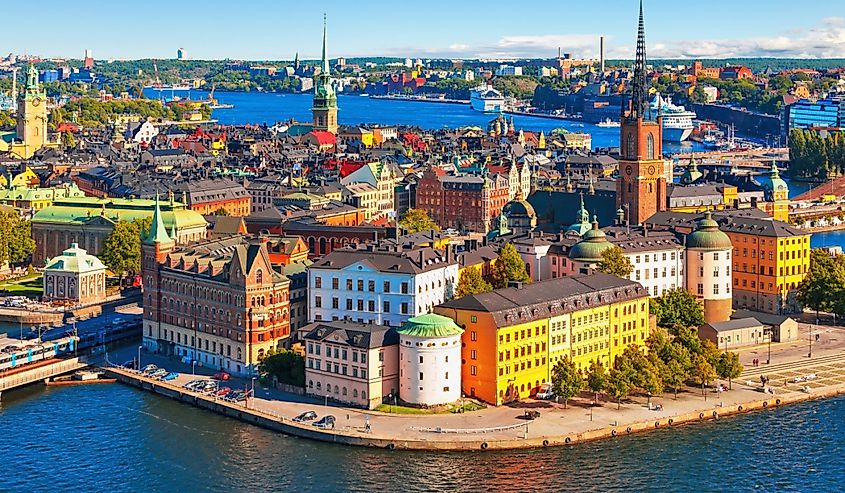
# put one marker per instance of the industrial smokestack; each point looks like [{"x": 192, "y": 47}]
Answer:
[{"x": 601, "y": 53}]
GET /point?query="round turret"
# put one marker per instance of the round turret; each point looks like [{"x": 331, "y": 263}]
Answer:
[
  {"x": 593, "y": 243},
  {"x": 708, "y": 236},
  {"x": 430, "y": 360}
]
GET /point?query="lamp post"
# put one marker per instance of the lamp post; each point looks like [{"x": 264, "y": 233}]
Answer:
[
  {"x": 193, "y": 367},
  {"x": 253, "y": 392},
  {"x": 139, "y": 358},
  {"x": 769, "y": 357},
  {"x": 810, "y": 353}
]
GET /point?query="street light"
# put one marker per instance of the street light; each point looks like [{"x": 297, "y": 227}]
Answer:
[
  {"x": 193, "y": 367},
  {"x": 810, "y": 353},
  {"x": 253, "y": 392},
  {"x": 139, "y": 358},
  {"x": 769, "y": 357}
]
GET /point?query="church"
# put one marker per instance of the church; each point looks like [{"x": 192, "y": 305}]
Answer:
[{"x": 31, "y": 131}]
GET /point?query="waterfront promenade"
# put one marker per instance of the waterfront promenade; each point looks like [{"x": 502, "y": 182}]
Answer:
[{"x": 505, "y": 427}]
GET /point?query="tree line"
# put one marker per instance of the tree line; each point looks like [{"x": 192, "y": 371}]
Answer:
[
  {"x": 812, "y": 156},
  {"x": 823, "y": 289}
]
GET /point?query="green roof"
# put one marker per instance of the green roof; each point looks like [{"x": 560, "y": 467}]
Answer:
[
  {"x": 593, "y": 243},
  {"x": 82, "y": 209},
  {"x": 75, "y": 259},
  {"x": 158, "y": 232},
  {"x": 430, "y": 326},
  {"x": 708, "y": 236}
]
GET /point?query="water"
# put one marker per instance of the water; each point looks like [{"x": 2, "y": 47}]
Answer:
[
  {"x": 260, "y": 107},
  {"x": 113, "y": 438}
]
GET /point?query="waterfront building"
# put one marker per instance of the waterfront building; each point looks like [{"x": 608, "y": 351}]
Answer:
[
  {"x": 770, "y": 258},
  {"x": 324, "y": 107},
  {"x": 709, "y": 269},
  {"x": 350, "y": 362},
  {"x": 74, "y": 276},
  {"x": 641, "y": 187},
  {"x": 824, "y": 113},
  {"x": 513, "y": 336},
  {"x": 380, "y": 283},
  {"x": 218, "y": 302},
  {"x": 88, "y": 220},
  {"x": 735, "y": 333},
  {"x": 429, "y": 360}
]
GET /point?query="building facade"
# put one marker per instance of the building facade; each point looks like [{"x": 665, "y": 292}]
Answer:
[
  {"x": 430, "y": 360},
  {"x": 75, "y": 276},
  {"x": 324, "y": 108}
]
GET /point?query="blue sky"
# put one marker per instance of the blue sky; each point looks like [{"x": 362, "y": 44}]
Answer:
[{"x": 263, "y": 29}]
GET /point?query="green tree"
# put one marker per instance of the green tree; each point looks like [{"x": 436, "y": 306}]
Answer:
[
  {"x": 674, "y": 374},
  {"x": 16, "y": 243},
  {"x": 567, "y": 380},
  {"x": 618, "y": 386},
  {"x": 287, "y": 366},
  {"x": 597, "y": 378},
  {"x": 122, "y": 247},
  {"x": 471, "y": 282},
  {"x": 614, "y": 262},
  {"x": 824, "y": 283},
  {"x": 677, "y": 308},
  {"x": 416, "y": 220},
  {"x": 702, "y": 372},
  {"x": 221, "y": 212},
  {"x": 68, "y": 140},
  {"x": 729, "y": 367},
  {"x": 509, "y": 267}
]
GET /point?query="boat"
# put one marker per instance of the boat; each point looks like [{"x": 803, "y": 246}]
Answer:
[
  {"x": 608, "y": 123},
  {"x": 487, "y": 100},
  {"x": 677, "y": 120},
  {"x": 364, "y": 95}
]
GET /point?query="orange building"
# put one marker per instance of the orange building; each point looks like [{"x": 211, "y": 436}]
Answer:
[{"x": 287, "y": 249}]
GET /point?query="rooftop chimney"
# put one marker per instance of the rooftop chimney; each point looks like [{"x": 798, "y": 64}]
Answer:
[{"x": 601, "y": 53}]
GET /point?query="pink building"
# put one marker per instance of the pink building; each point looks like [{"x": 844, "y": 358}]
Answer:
[{"x": 350, "y": 362}]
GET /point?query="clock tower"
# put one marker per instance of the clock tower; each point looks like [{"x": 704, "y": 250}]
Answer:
[
  {"x": 641, "y": 186},
  {"x": 32, "y": 117},
  {"x": 324, "y": 108}
]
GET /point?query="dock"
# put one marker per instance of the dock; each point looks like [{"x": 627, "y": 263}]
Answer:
[{"x": 41, "y": 371}]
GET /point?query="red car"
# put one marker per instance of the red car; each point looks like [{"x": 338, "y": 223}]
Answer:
[{"x": 222, "y": 376}]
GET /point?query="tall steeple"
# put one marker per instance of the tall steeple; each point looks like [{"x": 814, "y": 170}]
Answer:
[
  {"x": 325, "y": 66},
  {"x": 639, "y": 101},
  {"x": 158, "y": 232}
]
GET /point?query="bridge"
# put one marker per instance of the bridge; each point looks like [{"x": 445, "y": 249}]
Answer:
[
  {"x": 37, "y": 372},
  {"x": 835, "y": 187}
]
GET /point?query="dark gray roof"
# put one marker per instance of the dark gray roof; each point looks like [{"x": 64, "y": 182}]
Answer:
[
  {"x": 766, "y": 318},
  {"x": 354, "y": 334},
  {"x": 386, "y": 258},
  {"x": 735, "y": 324},
  {"x": 544, "y": 299}
]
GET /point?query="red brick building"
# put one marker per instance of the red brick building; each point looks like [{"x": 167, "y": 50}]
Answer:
[
  {"x": 736, "y": 72},
  {"x": 219, "y": 302},
  {"x": 464, "y": 202}
]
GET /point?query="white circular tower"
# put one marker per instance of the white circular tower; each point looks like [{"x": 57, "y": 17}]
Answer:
[
  {"x": 709, "y": 269},
  {"x": 430, "y": 360}
]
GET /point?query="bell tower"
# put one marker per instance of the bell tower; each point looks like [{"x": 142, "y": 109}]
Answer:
[
  {"x": 641, "y": 186},
  {"x": 32, "y": 117},
  {"x": 324, "y": 107}
]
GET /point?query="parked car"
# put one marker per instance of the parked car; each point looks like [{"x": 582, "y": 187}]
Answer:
[
  {"x": 325, "y": 422},
  {"x": 222, "y": 376},
  {"x": 158, "y": 373},
  {"x": 149, "y": 369},
  {"x": 209, "y": 386},
  {"x": 194, "y": 384},
  {"x": 170, "y": 376},
  {"x": 545, "y": 392},
  {"x": 222, "y": 392},
  {"x": 306, "y": 416}
]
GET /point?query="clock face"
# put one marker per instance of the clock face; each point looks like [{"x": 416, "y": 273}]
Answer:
[
  {"x": 651, "y": 170},
  {"x": 36, "y": 101},
  {"x": 629, "y": 170}
]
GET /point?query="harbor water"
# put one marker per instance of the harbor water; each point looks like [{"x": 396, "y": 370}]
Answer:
[{"x": 113, "y": 438}]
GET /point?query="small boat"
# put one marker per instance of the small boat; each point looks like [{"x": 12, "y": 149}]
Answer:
[{"x": 608, "y": 123}]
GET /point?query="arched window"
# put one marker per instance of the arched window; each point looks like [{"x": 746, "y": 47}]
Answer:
[
  {"x": 649, "y": 145},
  {"x": 259, "y": 276},
  {"x": 631, "y": 147},
  {"x": 650, "y": 188}
]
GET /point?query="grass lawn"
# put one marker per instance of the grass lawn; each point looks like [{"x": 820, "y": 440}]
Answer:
[
  {"x": 23, "y": 286},
  {"x": 390, "y": 408}
]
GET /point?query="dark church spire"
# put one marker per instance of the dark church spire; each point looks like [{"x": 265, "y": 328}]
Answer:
[{"x": 639, "y": 99}]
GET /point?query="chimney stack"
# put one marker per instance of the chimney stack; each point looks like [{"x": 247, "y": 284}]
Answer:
[{"x": 601, "y": 53}]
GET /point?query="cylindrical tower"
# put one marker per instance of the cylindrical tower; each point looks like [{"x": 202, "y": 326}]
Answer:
[
  {"x": 709, "y": 269},
  {"x": 430, "y": 360}
]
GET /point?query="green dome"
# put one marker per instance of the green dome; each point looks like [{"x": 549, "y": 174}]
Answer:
[
  {"x": 592, "y": 245},
  {"x": 430, "y": 326},
  {"x": 519, "y": 208},
  {"x": 708, "y": 236},
  {"x": 774, "y": 183}
]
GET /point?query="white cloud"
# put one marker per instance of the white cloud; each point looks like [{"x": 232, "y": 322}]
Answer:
[{"x": 826, "y": 40}]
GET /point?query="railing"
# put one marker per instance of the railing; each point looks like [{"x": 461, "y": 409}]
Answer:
[
  {"x": 39, "y": 373},
  {"x": 469, "y": 430}
]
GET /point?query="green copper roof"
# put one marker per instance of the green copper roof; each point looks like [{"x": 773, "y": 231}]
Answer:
[
  {"x": 430, "y": 326},
  {"x": 80, "y": 210},
  {"x": 593, "y": 243},
  {"x": 75, "y": 259},
  {"x": 582, "y": 218},
  {"x": 774, "y": 183},
  {"x": 158, "y": 233},
  {"x": 708, "y": 236}
]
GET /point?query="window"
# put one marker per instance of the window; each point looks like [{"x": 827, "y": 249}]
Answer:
[
  {"x": 650, "y": 146},
  {"x": 318, "y": 281},
  {"x": 335, "y": 303},
  {"x": 349, "y": 284},
  {"x": 404, "y": 289},
  {"x": 701, "y": 289},
  {"x": 386, "y": 286},
  {"x": 371, "y": 286},
  {"x": 385, "y": 305},
  {"x": 403, "y": 308},
  {"x": 360, "y": 305},
  {"x": 421, "y": 375},
  {"x": 473, "y": 336},
  {"x": 335, "y": 283},
  {"x": 371, "y": 305},
  {"x": 349, "y": 303},
  {"x": 715, "y": 289},
  {"x": 473, "y": 319},
  {"x": 473, "y": 354},
  {"x": 360, "y": 284},
  {"x": 318, "y": 301}
]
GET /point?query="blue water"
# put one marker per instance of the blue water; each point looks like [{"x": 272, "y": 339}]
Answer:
[
  {"x": 260, "y": 107},
  {"x": 112, "y": 438}
]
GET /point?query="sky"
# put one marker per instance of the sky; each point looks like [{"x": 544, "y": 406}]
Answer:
[{"x": 276, "y": 30}]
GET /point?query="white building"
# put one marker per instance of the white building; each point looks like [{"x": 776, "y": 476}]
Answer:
[
  {"x": 382, "y": 283},
  {"x": 75, "y": 276},
  {"x": 382, "y": 178},
  {"x": 141, "y": 132},
  {"x": 430, "y": 360},
  {"x": 505, "y": 70}
]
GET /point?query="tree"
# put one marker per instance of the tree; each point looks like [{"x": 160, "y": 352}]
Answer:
[
  {"x": 287, "y": 366},
  {"x": 597, "y": 378},
  {"x": 471, "y": 282},
  {"x": 508, "y": 268},
  {"x": 674, "y": 374},
  {"x": 567, "y": 380},
  {"x": 729, "y": 367},
  {"x": 615, "y": 263},
  {"x": 221, "y": 212},
  {"x": 618, "y": 386},
  {"x": 825, "y": 282},
  {"x": 16, "y": 243},
  {"x": 416, "y": 220},
  {"x": 122, "y": 247},
  {"x": 68, "y": 141},
  {"x": 677, "y": 308},
  {"x": 702, "y": 373}
]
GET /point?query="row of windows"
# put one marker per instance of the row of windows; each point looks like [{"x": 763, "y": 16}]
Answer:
[
  {"x": 371, "y": 285},
  {"x": 370, "y": 306},
  {"x": 340, "y": 353},
  {"x": 337, "y": 390},
  {"x": 338, "y": 368},
  {"x": 790, "y": 255},
  {"x": 647, "y": 273},
  {"x": 648, "y": 257},
  {"x": 715, "y": 289},
  {"x": 745, "y": 283},
  {"x": 794, "y": 269},
  {"x": 517, "y": 367},
  {"x": 521, "y": 334},
  {"x": 517, "y": 352}
]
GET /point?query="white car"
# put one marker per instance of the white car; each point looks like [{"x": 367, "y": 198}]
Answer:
[{"x": 545, "y": 392}]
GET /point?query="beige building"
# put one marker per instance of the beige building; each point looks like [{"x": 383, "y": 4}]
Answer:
[
  {"x": 351, "y": 362},
  {"x": 735, "y": 333},
  {"x": 75, "y": 276}
]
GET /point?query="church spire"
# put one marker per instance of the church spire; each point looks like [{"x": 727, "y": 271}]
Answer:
[
  {"x": 639, "y": 101},
  {"x": 158, "y": 233},
  {"x": 325, "y": 41}
]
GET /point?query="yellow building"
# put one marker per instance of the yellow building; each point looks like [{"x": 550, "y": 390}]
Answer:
[
  {"x": 32, "y": 118},
  {"x": 514, "y": 336},
  {"x": 26, "y": 178},
  {"x": 34, "y": 198}
]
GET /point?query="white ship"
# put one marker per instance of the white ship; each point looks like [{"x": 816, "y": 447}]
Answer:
[
  {"x": 487, "y": 100},
  {"x": 677, "y": 120},
  {"x": 608, "y": 123}
]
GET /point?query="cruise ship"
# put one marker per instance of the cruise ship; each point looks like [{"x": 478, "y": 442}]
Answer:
[
  {"x": 487, "y": 100},
  {"x": 677, "y": 120}
]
